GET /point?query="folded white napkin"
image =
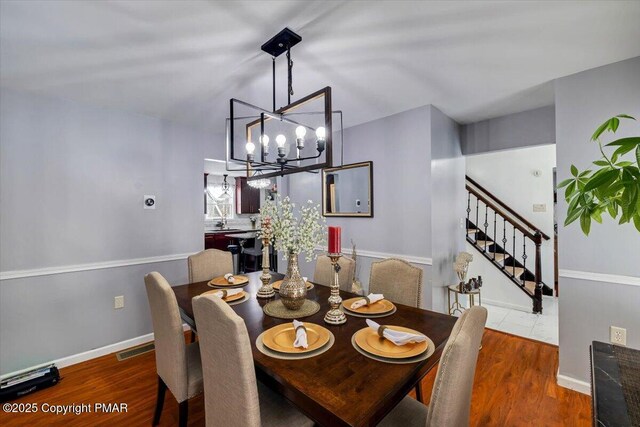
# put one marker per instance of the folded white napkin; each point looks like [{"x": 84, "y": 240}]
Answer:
[
  {"x": 229, "y": 277},
  {"x": 396, "y": 337},
  {"x": 227, "y": 293},
  {"x": 301, "y": 335},
  {"x": 369, "y": 299}
]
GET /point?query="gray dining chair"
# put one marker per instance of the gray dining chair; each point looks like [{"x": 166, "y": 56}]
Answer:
[
  {"x": 398, "y": 280},
  {"x": 451, "y": 396},
  {"x": 232, "y": 395},
  {"x": 177, "y": 363},
  {"x": 210, "y": 263},
  {"x": 323, "y": 273}
]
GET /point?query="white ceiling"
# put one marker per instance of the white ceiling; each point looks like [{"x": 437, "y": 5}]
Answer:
[{"x": 183, "y": 60}]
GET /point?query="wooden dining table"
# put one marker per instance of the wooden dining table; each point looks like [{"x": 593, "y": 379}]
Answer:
[{"x": 340, "y": 387}]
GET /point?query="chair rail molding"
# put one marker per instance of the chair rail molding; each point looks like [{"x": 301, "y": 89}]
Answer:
[
  {"x": 414, "y": 259},
  {"x": 48, "y": 271},
  {"x": 600, "y": 277}
]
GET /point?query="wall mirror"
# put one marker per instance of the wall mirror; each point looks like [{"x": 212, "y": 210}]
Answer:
[{"x": 348, "y": 190}]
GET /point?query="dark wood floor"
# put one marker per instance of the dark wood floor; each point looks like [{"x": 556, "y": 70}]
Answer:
[{"x": 514, "y": 386}]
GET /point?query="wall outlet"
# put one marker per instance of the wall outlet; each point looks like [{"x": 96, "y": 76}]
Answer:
[
  {"x": 118, "y": 302},
  {"x": 539, "y": 207},
  {"x": 149, "y": 201},
  {"x": 618, "y": 335}
]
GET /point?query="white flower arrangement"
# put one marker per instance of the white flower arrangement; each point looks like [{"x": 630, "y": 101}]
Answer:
[
  {"x": 461, "y": 265},
  {"x": 290, "y": 233}
]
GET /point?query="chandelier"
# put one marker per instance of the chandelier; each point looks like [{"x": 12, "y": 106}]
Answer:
[{"x": 302, "y": 130}]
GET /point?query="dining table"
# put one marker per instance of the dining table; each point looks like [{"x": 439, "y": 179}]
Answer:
[{"x": 339, "y": 387}]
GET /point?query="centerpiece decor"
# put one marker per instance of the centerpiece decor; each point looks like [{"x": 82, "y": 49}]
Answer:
[
  {"x": 294, "y": 233},
  {"x": 461, "y": 266},
  {"x": 335, "y": 316},
  {"x": 266, "y": 234}
]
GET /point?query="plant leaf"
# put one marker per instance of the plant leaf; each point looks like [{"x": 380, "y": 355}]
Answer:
[
  {"x": 599, "y": 131},
  {"x": 601, "y": 163},
  {"x": 572, "y": 216},
  {"x": 636, "y": 221},
  {"x": 601, "y": 179},
  {"x": 571, "y": 188},
  {"x": 625, "y": 116},
  {"x": 638, "y": 155},
  {"x": 597, "y": 215},
  {"x": 612, "y": 208},
  {"x": 565, "y": 182},
  {"x": 633, "y": 140},
  {"x": 574, "y": 170},
  {"x": 614, "y": 122},
  {"x": 585, "y": 222}
]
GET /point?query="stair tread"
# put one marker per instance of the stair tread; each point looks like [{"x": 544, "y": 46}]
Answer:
[
  {"x": 472, "y": 230},
  {"x": 514, "y": 271},
  {"x": 530, "y": 285},
  {"x": 499, "y": 256},
  {"x": 482, "y": 242}
]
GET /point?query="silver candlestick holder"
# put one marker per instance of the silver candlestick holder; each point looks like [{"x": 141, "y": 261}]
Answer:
[
  {"x": 266, "y": 290},
  {"x": 335, "y": 316}
]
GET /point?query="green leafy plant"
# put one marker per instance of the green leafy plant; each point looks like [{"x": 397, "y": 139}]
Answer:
[{"x": 613, "y": 188}]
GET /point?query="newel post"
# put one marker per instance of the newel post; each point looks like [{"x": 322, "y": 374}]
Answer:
[{"x": 537, "y": 301}]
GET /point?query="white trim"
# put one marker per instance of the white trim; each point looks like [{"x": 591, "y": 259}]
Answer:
[
  {"x": 383, "y": 255},
  {"x": 600, "y": 277},
  {"x": 508, "y": 305},
  {"x": 573, "y": 384},
  {"x": 48, "y": 271},
  {"x": 73, "y": 359}
]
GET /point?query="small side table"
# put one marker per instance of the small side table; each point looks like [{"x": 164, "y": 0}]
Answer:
[{"x": 456, "y": 306}]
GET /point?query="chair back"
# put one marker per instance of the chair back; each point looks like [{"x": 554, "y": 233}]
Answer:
[
  {"x": 398, "y": 280},
  {"x": 323, "y": 274},
  {"x": 451, "y": 396},
  {"x": 208, "y": 264},
  {"x": 230, "y": 387},
  {"x": 170, "y": 347}
]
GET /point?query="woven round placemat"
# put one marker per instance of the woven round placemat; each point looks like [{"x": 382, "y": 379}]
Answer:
[
  {"x": 419, "y": 358},
  {"x": 277, "y": 309},
  {"x": 368, "y": 316},
  {"x": 289, "y": 356}
]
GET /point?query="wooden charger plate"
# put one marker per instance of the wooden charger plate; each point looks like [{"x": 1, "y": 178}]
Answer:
[
  {"x": 369, "y": 340},
  {"x": 222, "y": 282},
  {"x": 280, "y": 338},
  {"x": 379, "y": 307},
  {"x": 276, "y": 285},
  {"x": 231, "y": 298}
]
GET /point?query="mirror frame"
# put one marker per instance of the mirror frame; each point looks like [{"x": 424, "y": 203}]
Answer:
[{"x": 343, "y": 167}]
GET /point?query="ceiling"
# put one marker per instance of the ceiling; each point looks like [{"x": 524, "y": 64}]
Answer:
[{"x": 183, "y": 60}]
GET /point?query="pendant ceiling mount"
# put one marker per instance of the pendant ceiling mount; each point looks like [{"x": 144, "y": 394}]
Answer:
[{"x": 286, "y": 140}]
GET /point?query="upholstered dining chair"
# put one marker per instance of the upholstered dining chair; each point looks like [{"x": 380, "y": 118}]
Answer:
[
  {"x": 451, "y": 396},
  {"x": 398, "y": 280},
  {"x": 177, "y": 363},
  {"x": 208, "y": 264},
  {"x": 232, "y": 395},
  {"x": 323, "y": 274}
]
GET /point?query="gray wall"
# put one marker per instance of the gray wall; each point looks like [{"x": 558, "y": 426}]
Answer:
[
  {"x": 588, "y": 308},
  {"x": 72, "y": 182},
  {"x": 532, "y": 127},
  {"x": 400, "y": 149},
  {"x": 448, "y": 203}
]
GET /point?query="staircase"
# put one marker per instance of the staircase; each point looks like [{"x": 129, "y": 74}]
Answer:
[{"x": 508, "y": 240}]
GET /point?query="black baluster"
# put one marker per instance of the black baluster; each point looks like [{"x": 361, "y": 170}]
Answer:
[
  {"x": 524, "y": 257},
  {"x": 504, "y": 243},
  {"x": 486, "y": 224},
  {"x": 495, "y": 237},
  {"x": 513, "y": 270},
  {"x": 477, "y": 223},
  {"x": 468, "y": 210}
]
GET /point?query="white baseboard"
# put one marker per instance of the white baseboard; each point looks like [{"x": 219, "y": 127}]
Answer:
[
  {"x": 509, "y": 305},
  {"x": 573, "y": 384},
  {"x": 92, "y": 354}
]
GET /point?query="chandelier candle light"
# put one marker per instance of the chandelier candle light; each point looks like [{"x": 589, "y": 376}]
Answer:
[
  {"x": 266, "y": 234},
  {"x": 335, "y": 316}
]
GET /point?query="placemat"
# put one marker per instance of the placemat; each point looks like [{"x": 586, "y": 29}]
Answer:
[
  {"x": 629, "y": 363},
  {"x": 277, "y": 309},
  {"x": 288, "y": 356},
  {"x": 424, "y": 356},
  {"x": 368, "y": 316}
]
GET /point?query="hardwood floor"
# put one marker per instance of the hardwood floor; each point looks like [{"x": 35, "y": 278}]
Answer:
[{"x": 514, "y": 385}]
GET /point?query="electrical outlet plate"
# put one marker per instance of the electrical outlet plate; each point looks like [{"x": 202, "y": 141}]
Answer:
[
  {"x": 149, "y": 201},
  {"x": 118, "y": 302},
  {"x": 618, "y": 335},
  {"x": 539, "y": 207}
]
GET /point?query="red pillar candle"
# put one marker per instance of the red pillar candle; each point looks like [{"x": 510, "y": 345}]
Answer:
[{"x": 335, "y": 241}]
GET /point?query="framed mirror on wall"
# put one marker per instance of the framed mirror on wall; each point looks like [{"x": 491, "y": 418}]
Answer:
[{"x": 347, "y": 191}]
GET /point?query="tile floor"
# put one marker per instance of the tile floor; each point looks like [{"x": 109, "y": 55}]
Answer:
[{"x": 540, "y": 327}]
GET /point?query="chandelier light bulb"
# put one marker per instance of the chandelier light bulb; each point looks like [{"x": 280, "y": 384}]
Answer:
[
  {"x": 301, "y": 131},
  {"x": 281, "y": 140},
  {"x": 265, "y": 140},
  {"x": 251, "y": 147},
  {"x": 321, "y": 133}
]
